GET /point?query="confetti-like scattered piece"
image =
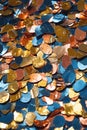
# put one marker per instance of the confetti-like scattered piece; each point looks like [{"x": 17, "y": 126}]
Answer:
[{"x": 43, "y": 65}]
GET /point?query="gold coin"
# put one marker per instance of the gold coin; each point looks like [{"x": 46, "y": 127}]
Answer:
[
  {"x": 68, "y": 109},
  {"x": 26, "y": 61},
  {"x": 38, "y": 62},
  {"x": 24, "y": 90},
  {"x": 81, "y": 5},
  {"x": 14, "y": 3},
  {"x": 3, "y": 126},
  {"x": 17, "y": 52},
  {"x": 13, "y": 125},
  {"x": 43, "y": 111},
  {"x": 72, "y": 93},
  {"x": 34, "y": 50},
  {"x": 42, "y": 83},
  {"x": 4, "y": 97},
  {"x": 72, "y": 53},
  {"x": 53, "y": 58},
  {"x": 28, "y": 45},
  {"x": 13, "y": 87},
  {"x": 79, "y": 74},
  {"x": 26, "y": 53},
  {"x": 6, "y": 28},
  {"x": 66, "y": 5},
  {"x": 7, "y": 12},
  {"x": 28, "y": 22},
  {"x": 12, "y": 34},
  {"x": 29, "y": 118},
  {"x": 15, "y": 97},
  {"x": 18, "y": 117},
  {"x": 11, "y": 76},
  {"x": 62, "y": 33},
  {"x": 77, "y": 108}
]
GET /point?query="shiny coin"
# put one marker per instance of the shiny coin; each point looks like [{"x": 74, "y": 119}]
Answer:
[
  {"x": 18, "y": 117},
  {"x": 38, "y": 62},
  {"x": 26, "y": 61},
  {"x": 35, "y": 77},
  {"x": 4, "y": 97},
  {"x": 45, "y": 48},
  {"x": 13, "y": 87},
  {"x": 15, "y": 97},
  {"x": 48, "y": 38},
  {"x": 43, "y": 110},
  {"x": 11, "y": 76},
  {"x": 29, "y": 118},
  {"x": 20, "y": 74}
]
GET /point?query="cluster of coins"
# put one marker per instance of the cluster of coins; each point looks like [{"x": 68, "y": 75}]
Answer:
[{"x": 43, "y": 65}]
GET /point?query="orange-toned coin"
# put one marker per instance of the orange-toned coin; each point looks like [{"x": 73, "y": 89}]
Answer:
[
  {"x": 19, "y": 74},
  {"x": 45, "y": 48},
  {"x": 79, "y": 34},
  {"x": 35, "y": 77},
  {"x": 48, "y": 100},
  {"x": 48, "y": 38},
  {"x": 66, "y": 61}
]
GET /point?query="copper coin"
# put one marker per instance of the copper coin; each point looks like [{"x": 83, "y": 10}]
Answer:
[
  {"x": 45, "y": 48},
  {"x": 83, "y": 121},
  {"x": 66, "y": 61},
  {"x": 79, "y": 34},
  {"x": 20, "y": 74},
  {"x": 34, "y": 77}
]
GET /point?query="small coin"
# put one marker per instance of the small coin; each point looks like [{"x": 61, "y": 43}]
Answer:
[
  {"x": 4, "y": 96},
  {"x": 29, "y": 118}
]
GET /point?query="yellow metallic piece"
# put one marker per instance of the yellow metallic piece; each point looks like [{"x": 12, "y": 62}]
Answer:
[
  {"x": 29, "y": 118},
  {"x": 18, "y": 117}
]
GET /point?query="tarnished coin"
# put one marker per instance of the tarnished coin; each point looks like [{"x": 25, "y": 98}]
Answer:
[
  {"x": 79, "y": 34},
  {"x": 14, "y": 3},
  {"x": 62, "y": 33}
]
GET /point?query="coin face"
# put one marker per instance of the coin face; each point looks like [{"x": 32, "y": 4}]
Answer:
[
  {"x": 45, "y": 48},
  {"x": 29, "y": 118},
  {"x": 79, "y": 34},
  {"x": 4, "y": 97},
  {"x": 18, "y": 117},
  {"x": 34, "y": 77},
  {"x": 13, "y": 87}
]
